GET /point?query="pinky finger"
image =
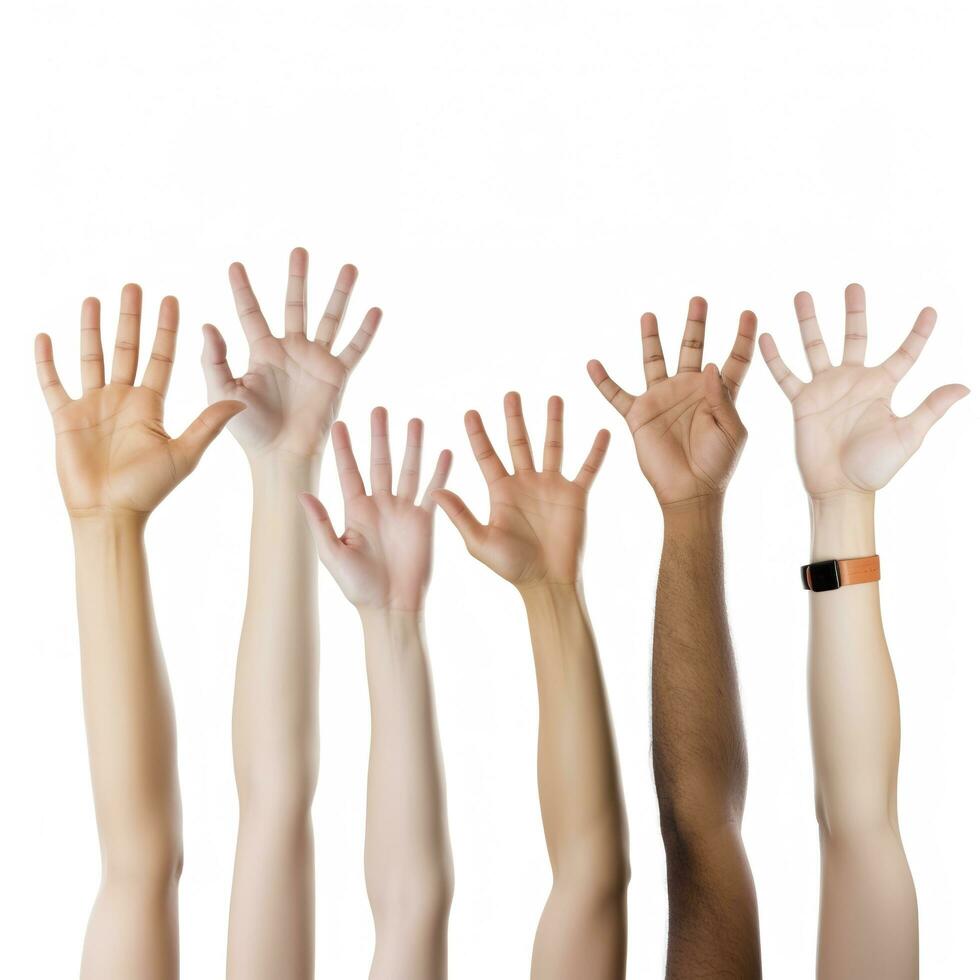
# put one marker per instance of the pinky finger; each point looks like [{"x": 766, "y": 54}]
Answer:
[
  {"x": 438, "y": 481},
  {"x": 915, "y": 426},
  {"x": 47, "y": 376},
  {"x": 785, "y": 378},
  {"x": 587, "y": 474}
]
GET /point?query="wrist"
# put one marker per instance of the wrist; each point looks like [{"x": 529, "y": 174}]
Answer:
[
  {"x": 395, "y": 625},
  {"x": 97, "y": 522},
  {"x": 695, "y": 515},
  {"x": 842, "y": 525},
  {"x": 284, "y": 473},
  {"x": 548, "y": 594}
]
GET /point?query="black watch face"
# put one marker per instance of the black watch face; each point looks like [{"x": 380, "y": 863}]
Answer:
[{"x": 823, "y": 576}]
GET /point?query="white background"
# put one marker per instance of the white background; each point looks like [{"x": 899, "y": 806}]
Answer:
[{"x": 517, "y": 182}]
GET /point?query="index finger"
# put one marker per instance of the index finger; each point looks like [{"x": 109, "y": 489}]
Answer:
[{"x": 737, "y": 365}]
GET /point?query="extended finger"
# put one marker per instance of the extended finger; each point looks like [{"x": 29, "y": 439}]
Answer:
[
  {"x": 351, "y": 355},
  {"x": 469, "y": 527},
  {"x": 785, "y": 378},
  {"x": 188, "y": 449},
  {"x": 816, "y": 349},
  {"x": 621, "y": 400},
  {"x": 737, "y": 365},
  {"x": 333, "y": 315},
  {"x": 324, "y": 536},
  {"x": 587, "y": 474},
  {"x": 554, "y": 435},
  {"x": 654, "y": 366},
  {"x": 408, "y": 479},
  {"x": 156, "y": 377},
  {"x": 438, "y": 481},
  {"x": 295, "y": 316},
  {"x": 914, "y": 426},
  {"x": 692, "y": 344},
  {"x": 901, "y": 361},
  {"x": 483, "y": 450},
  {"x": 517, "y": 438},
  {"x": 249, "y": 312},
  {"x": 380, "y": 452},
  {"x": 214, "y": 362},
  {"x": 92, "y": 362},
  {"x": 126, "y": 356},
  {"x": 350, "y": 476},
  {"x": 855, "y": 325},
  {"x": 47, "y": 375}
]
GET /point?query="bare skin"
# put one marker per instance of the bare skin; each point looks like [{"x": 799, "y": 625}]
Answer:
[
  {"x": 292, "y": 390},
  {"x": 849, "y": 444},
  {"x": 534, "y": 539},
  {"x": 382, "y": 563},
  {"x": 115, "y": 463},
  {"x": 688, "y": 438}
]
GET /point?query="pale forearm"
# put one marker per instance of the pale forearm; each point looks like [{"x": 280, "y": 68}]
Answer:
[
  {"x": 275, "y": 735},
  {"x": 275, "y": 714},
  {"x": 408, "y": 862},
  {"x": 868, "y": 918},
  {"x": 853, "y": 697}
]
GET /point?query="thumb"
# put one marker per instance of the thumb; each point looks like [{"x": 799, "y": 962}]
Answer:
[
  {"x": 324, "y": 535},
  {"x": 467, "y": 525},
  {"x": 214, "y": 361},
  {"x": 720, "y": 402},
  {"x": 915, "y": 426},
  {"x": 190, "y": 445}
]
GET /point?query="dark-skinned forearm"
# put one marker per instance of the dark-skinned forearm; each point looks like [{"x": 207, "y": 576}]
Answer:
[{"x": 699, "y": 753}]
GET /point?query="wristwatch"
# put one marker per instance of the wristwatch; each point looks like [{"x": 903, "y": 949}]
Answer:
[{"x": 825, "y": 576}]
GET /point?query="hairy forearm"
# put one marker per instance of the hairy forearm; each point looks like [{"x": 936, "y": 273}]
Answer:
[
  {"x": 868, "y": 909},
  {"x": 132, "y": 751},
  {"x": 579, "y": 787},
  {"x": 699, "y": 754},
  {"x": 408, "y": 862},
  {"x": 275, "y": 733}
]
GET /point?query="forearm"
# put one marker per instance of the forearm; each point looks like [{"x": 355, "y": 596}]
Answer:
[
  {"x": 868, "y": 908},
  {"x": 275, "y": 734},
  {"x": 130, "y": 726},
  {"x": 408, "y": 862},
  {"x": 699, "y": 755},
  {"x": 275, "y": 729},
  {"x": 583, "y": 927}
]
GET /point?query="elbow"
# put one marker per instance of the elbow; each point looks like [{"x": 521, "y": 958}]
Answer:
[
  {"x": 597, "y": 874},
  {"x": 698, "y": 814},
  {"x": 276, "y": 791},
  {"x": 414, "y": 899},
  {"x": 856, "y": 823},
  {"x": 148, "y": 860}
]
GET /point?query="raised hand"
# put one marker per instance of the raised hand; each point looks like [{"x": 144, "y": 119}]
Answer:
[
  {"x": 113, "y": 453},
  {"x": 383, "y": 560},
  {"x": 537, "y": 518},
  {"x": 687, "y": 434},
  {"x": 293, "y": 385},
  {"x": 847, "y": 437}
]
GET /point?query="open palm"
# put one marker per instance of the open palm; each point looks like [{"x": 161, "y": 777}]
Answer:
[
  {"x": 686, "y": 431},
  {"x": 113, "y": 453},
  {"x": 847, "y": 437},
  {"x": 536, "y": 528},
  {"x": 293, "y": 385},
  {"x": 383, "y": 560}
]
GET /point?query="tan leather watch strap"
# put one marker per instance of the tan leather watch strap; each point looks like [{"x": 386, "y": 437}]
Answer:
[{"x": 825, "y": 576}]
